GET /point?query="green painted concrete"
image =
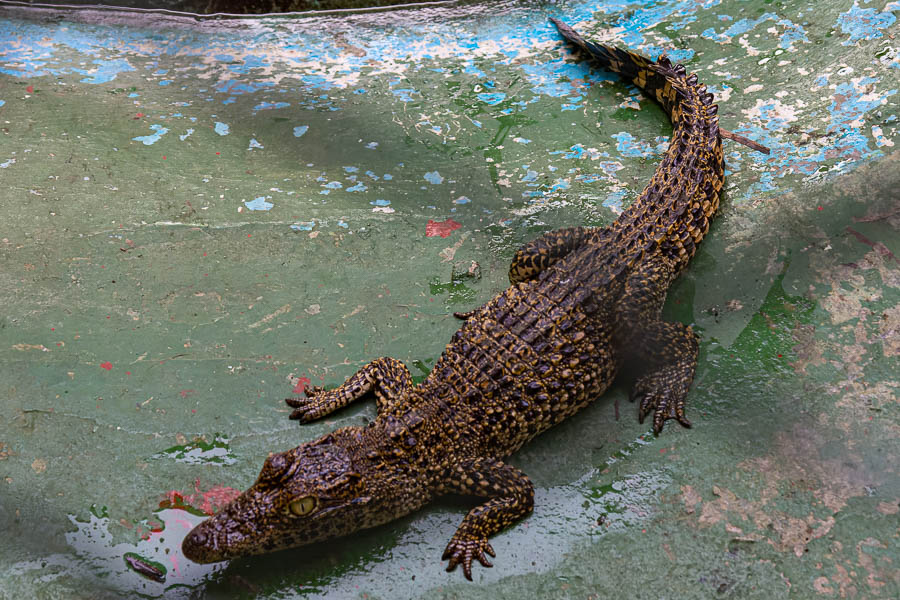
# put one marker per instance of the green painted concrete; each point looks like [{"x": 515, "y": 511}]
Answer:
[{"x": 154, "y": 320}]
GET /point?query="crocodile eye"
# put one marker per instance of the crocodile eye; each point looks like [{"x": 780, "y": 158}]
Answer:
[{"x": 304, "y": 506}]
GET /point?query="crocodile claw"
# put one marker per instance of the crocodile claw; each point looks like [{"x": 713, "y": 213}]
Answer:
[
  {"x": 662, "y": 405},
  {"x": 463, "y": 548},
  {"x": 305, "y": 408}
]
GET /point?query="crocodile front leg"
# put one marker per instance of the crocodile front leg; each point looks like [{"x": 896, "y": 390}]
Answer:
[
  {"x": 511, "y": 496},
  {"x": 387, "y": 377},
  {"x": 667, "y": 352}
]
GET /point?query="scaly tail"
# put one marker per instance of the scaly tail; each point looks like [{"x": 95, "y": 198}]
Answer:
[{"x": 673, "y": 212}]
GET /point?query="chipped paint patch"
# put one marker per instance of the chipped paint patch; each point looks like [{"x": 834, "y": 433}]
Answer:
[
  {"x": 260, "y": 203},
  {"x": 151, "y": 139},
  {"x": 864, "y": 23}
]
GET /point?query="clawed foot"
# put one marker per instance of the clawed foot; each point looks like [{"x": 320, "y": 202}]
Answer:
[
  {"x": 657, "y": 397},
  {"x": 465, "y": 316},
  {"x": 463, "y": 548},
  {"x": 306, "y": 409}
]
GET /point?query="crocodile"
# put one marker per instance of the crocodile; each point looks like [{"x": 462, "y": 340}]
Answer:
[{"x": 584, "y": 303}]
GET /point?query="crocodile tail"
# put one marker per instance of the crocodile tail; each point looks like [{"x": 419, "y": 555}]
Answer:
[
  {"x": 660, "y": 79},
  {"x": 674, "y": 210}
]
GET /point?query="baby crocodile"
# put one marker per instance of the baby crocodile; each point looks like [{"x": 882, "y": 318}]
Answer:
[{"x": 583, "y": 303}]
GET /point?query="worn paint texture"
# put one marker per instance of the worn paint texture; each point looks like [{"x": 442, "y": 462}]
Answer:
[{"x": 200, "y": 217}]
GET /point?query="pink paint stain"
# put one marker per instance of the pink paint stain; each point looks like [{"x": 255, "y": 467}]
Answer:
[
  {"x": 209, "y": 502},
  {"x": 185, "y": 393},
  {"x": 300, "y": 388},
  {"x": 29, "y": 89},
  {"x": 442, "y": 228},
  {"x": 106, "y": 365}
]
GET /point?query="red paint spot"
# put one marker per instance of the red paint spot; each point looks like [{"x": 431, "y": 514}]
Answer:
[
  {"x": 29, "y": 89},
  {"x": 164, "y": 158},
  {"x": 217, "y": 153},
  {"x": 106, "y": 365},
  {"x": 185, "y": 393},
  {"x": 443, "y": 228},
  {"x": 102, "y": 266},
  {"x": 53, "y": 329},
  {"x": 209, "y": 501},
  {"x": 128, "y": 372},
  {"x": 193, "y": 411},
  {"x": 779, "y": 356},
  {"x": 663, "y": 450},
  {"x": 139, "y": 115},
  {"x": 249, "y": 235},
  {"x": 818, "y": 208},
  {"x": 107, "y": 316},
  {"x": 204, "y": 254},
  {"x": 300, "y": 388},
  {"x": 59, "y": 343}
]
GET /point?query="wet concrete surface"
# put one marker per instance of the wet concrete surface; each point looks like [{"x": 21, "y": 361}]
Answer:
[{"x": 201, "y": 216}]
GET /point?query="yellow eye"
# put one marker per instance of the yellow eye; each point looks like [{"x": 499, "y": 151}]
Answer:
[{"x": 303, "y": 506}]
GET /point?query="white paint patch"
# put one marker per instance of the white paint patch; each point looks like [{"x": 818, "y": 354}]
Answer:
[
  {"x": 771, "y": 109},
  {"x": 880, "y": 140}
]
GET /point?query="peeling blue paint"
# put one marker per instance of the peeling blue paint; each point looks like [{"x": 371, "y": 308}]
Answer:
[
  {"x": 627, "y": 145},
  {"x": 147, "y": 140},
  {"x": 614, "y": 200},
  {"x": 271, "y": 105},
  {"x": 222, "y": 128},
  {"x": 106, "y": 70},
  {"x": 492, "y": 98},
  {"x": 792, "y": 31},
  {"x": 299, "y": 130},
  {"x": 259, "y": 203},
  {"x": 434, "y": 178},
  {"x": 864, "y": 23}
]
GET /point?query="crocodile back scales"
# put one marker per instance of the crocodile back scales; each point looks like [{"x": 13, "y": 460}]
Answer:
[{"x": 540, "y": 351}]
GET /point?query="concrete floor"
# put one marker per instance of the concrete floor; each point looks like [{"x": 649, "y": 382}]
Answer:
[{"x": 199, "y": 216}]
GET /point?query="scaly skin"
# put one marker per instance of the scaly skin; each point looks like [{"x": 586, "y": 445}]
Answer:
[{"x": 583, "y": 303}]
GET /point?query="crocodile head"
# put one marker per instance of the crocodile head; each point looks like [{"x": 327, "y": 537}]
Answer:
[{"x": 307, "y": 494}]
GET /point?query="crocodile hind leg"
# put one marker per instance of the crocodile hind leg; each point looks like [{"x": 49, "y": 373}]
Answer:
[
  {"x": 540, "y": 253},
  {"x": 665, "y": 351},
  {"x": 511, "y": 497},
  {"x": 664, "y": 388},
  {"x": 386, "y": 377}
]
